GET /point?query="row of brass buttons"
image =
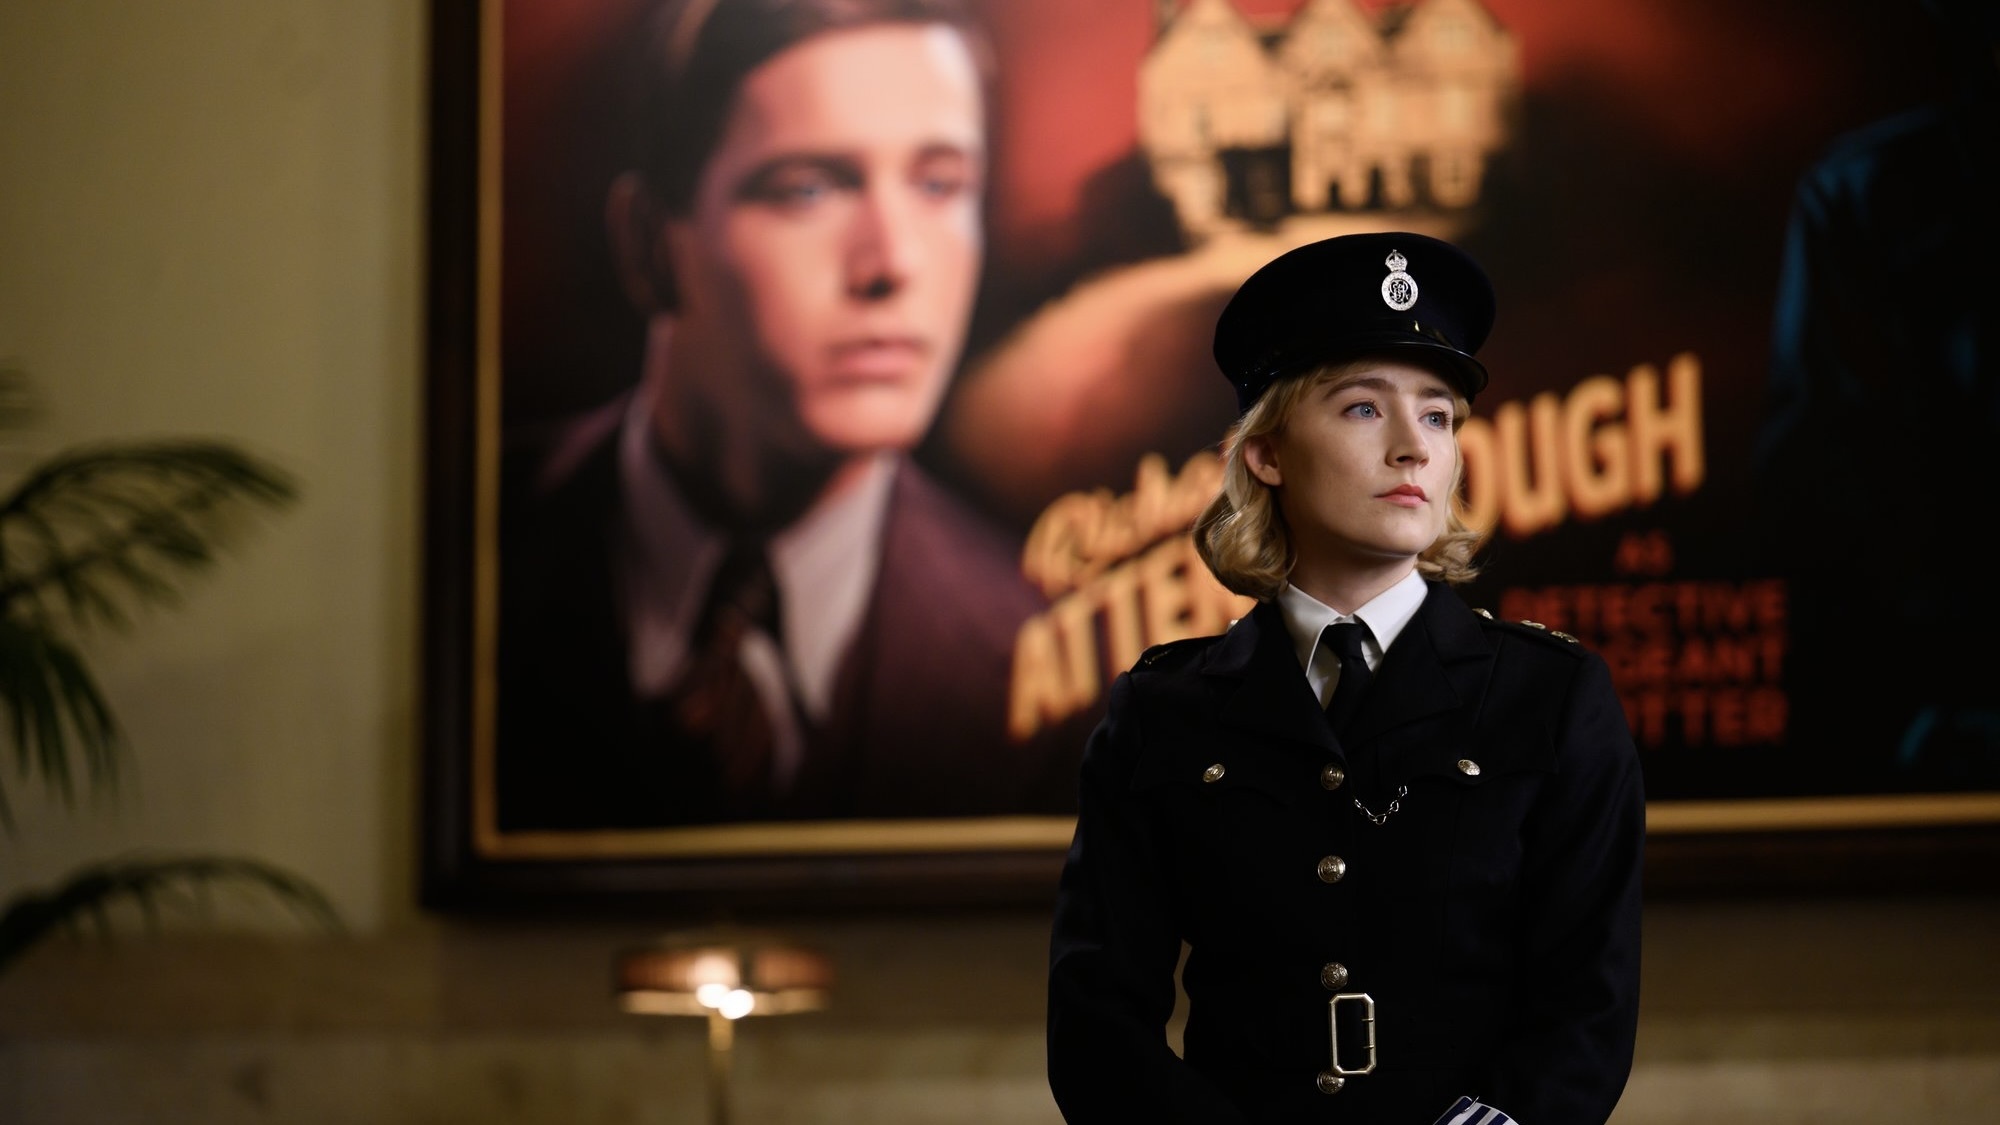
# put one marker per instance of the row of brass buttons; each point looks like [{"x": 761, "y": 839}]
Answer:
[
  {"x": 1333, "y": 974},
  {"x": 1331, "y": 776},
  {"x": 1332, "y": 869}
]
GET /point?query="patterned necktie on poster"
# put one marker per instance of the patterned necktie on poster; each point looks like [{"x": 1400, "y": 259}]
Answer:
[{"x": 716, "y": 703}]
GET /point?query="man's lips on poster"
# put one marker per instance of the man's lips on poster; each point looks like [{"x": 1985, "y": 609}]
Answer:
[{"x": 878, "y": 358}]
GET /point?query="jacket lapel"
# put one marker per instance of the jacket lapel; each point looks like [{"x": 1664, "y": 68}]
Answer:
[
  {"x": 1435, "y": 668},
  {"x": 1270, "y": 694}
]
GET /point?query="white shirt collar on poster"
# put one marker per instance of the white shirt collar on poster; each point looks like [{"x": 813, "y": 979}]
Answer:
[{"x": 825, "y": 566}]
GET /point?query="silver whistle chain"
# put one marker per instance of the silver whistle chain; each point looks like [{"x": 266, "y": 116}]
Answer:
[{"x": 1380, "y": 818}]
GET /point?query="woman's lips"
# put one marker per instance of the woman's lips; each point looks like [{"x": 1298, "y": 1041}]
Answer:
[{"x": 1406, "y": 496}]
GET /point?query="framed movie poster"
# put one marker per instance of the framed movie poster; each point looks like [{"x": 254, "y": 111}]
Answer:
[{"x": 821, "y": 396}]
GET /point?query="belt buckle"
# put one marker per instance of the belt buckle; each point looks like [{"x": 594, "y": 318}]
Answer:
[{"x": 1367, "y": 1003}]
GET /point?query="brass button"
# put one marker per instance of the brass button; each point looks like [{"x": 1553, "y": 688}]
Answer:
[
  {"x": 1332, "y": 869},
  {"x": 1468, "y": 767},
  {"x": 1332, "y": 777},
  {"x": 1333, "y": 974},
  {"x": 1329, "y": 1082},
  {"x": 1213, "y": 773}
]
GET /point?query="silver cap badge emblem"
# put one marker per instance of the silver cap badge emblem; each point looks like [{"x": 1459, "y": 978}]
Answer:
[{"x": 1399, "y": 289}]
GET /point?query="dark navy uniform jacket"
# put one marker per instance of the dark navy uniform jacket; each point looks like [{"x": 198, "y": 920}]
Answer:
[{"x": 1493, "y": 918}]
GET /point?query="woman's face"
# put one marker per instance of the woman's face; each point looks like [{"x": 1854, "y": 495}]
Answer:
[
  {"x": 1363, "y": 468},
  {"x": 827, "y": 266}
]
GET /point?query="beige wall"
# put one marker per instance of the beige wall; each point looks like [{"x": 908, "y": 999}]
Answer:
[{"x": 211, "y": 224}]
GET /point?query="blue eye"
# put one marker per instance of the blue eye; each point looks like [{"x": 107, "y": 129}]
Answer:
[
  {"x": 945, "y": 173},
  {"x": 800, "y": 191},
  {"x": 798, "y": 184},
  {"x": 941, "y": 187}
]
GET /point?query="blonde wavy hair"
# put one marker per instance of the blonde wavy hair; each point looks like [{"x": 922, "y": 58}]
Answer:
[{"x": 1242, "y": 536}]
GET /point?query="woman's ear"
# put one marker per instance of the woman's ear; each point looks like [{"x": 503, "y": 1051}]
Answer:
[
  {"x": 1260, "y": 456},
  {"x": 632, "y": 224}
]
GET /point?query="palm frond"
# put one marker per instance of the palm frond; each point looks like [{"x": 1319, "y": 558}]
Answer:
[
  {"x": 91, "y": 535},
  {"x": 158, "y": 888},
  {"x": 53, "y": 709}
]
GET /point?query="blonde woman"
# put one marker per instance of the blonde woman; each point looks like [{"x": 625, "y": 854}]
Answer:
[{"x": 1399, "y": 840}]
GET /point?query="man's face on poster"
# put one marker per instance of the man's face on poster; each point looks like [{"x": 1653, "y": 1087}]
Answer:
[{"x": 832, "y": 249}]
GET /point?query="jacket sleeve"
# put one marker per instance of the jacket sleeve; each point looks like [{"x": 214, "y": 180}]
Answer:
[
  {"x": 1568, "y": 1054},
  {"x": 1112, "y": 953}
]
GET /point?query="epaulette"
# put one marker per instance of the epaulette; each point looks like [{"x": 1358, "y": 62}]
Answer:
[
  {"x": 1173, "y": 653},
  {"x": 1526, "y": 628}
]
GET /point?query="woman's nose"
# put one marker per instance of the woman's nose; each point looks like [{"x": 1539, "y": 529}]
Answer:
[{"x": 1410, "y": 442}]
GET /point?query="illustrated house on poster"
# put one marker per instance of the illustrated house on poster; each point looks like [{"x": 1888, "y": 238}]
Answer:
[{"x": 1333, "y": 109}]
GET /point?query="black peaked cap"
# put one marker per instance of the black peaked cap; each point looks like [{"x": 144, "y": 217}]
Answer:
[{"x": 1388, "y": 292}]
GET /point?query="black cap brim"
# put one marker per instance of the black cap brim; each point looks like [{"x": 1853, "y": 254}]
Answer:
[{"x": 1387, "y": 292}]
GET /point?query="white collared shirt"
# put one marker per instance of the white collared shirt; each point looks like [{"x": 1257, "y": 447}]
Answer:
[
  {"x": 824, "y": 565},
  {"x": 1307, "y": 618}
]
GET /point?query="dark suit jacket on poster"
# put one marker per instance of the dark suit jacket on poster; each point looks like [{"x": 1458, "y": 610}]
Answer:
[
  {"x": 1493, "y": 917},
  {"x": 1885, "y": 334},
  {"x": 918, "y": 726}
]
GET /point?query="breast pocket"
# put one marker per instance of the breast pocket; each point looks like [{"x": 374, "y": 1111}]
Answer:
[
  {"x": 1237, "y": 819},
  {"x": 1457, "y": 832}
]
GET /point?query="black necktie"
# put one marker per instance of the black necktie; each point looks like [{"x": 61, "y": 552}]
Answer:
[
  {"x": 716, "y": 703},
  {"x": 1345, "y": 640}
]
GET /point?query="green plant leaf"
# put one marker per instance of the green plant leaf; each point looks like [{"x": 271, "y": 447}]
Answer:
[
  {"x": 155, "y": 886},
  {"x": 87, "y": 539},
  {"x": 91, "y": 534},
  {"x": 52, "y": 704}
]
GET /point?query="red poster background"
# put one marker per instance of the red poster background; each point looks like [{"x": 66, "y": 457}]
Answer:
[{"x": 1637, "y": 214}]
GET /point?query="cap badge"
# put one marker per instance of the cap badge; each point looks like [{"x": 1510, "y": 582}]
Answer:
[{"x": 1399, "y": 289}]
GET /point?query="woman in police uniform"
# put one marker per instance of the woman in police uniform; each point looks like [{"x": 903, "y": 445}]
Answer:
[{"x": 1407, "y": 877}]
